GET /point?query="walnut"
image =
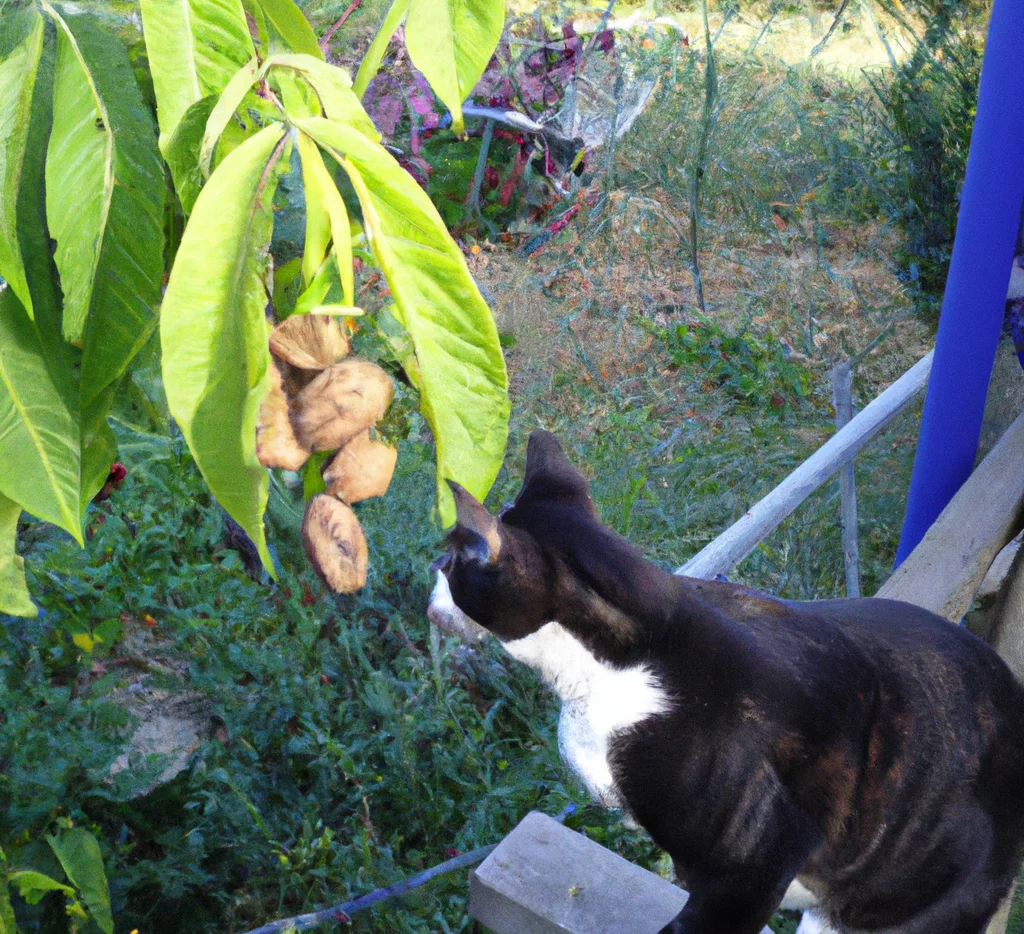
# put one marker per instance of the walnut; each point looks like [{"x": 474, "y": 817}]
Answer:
[
  {"x": 344, "y": 400},
  {"x": 276, "y": 445},
  {"x": 309, "y": 342},
  {"x": 335, "y": 544},
  {"x": 361, "y": 469}
]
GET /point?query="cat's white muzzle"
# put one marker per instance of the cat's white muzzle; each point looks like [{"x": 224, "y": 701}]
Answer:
[{"x": 444, "y": 614}]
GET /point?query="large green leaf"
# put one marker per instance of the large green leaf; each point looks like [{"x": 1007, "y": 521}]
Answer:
[
  {"x": 80, "y": 856},
  {"x": 230, "y": 100},
  {"x": 322, "y": 87},
  {"x": 333, "y": 87},
  {"x": 18, "y": 67},
  {"x": 182, "y": 151},
  {"x": 194, "y": 47},
  {"x": 213, "y": 328},
  {"x": 32, "y": 885},
  {"x": 288, "y": 29},
  {"x": 326, "y": 220},
  {"x": 370, "y": 64},
  {"x": 105, "y": 202},
  {"x": 451, "y": 42},
  {"x": 461, "y": 371},
  {"x": 14, "y": 596},
  {"x": 40, "y": 461},
  {"x": 33, "y": 235},
  {"x": 78, "y": 185}
]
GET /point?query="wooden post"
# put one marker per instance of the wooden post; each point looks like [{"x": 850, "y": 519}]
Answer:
[{"x": 842, "y": 402}]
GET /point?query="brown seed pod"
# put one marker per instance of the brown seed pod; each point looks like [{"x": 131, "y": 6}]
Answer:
[
  {"x": 344, "y": 400},
  {"x": 276, "y": 445},
  {"x": 361, "y": 469},
  {"x": 294, "y": 379},
  {"x": 309, "y": 342},
  {"x": 335, "y": 544}
]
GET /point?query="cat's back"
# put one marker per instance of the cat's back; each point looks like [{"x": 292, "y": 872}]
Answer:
[
  {"x": 924, "y": 699},
  {"x": 860, "y": 637}
]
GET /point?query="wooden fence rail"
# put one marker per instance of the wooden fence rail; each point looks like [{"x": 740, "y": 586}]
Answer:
[{"x": 744, "y": 535}]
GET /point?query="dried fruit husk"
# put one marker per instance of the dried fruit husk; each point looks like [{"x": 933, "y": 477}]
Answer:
[
  {"x": 295, "y": 380},
  {"x": 309, "y": 342},
  {"x": 361, "y": 469},
  {"x": 341, "y": 402},
  {"x": 276, "y": 444},
  {"x": 335, "y": 544}
]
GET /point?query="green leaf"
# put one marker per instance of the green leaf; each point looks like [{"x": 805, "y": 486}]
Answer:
[
  {"x": 17, "y": 79},
  {"x": 194, "y": 49},
  {"x": 230, "y": 100},
  {"x": 288, "y": 29},
  {"x": 312, "y": 478},
  {"x": 32, "y": 886},
  {"x": 77, "y": 186},
  {"x": 460, "y": 370},
  {"x": 79, "y": 854},
  {"x": 334, "y": 88},
  {"x": 326, "y": 218},
  {"x": 214, "y": 333},
  {"x": 7, "y": 922},
  {"x": 33, "y": 236},
  {"x": 14, "y": 596},
  {"x": 105, "y": 202},
  {"x": 99, "y": 446},
  {"x": 370, "y": 64},
  {"x": 61, "y": 363},
  {"x": 297, "y": 97},
  {"x": 318, "y": 220},
  {"x": 319, "y": 287},
  {"x": 182, "y": 151},
  {"x": 40, "y": 460},
  {"x": 451, "y": 42}
]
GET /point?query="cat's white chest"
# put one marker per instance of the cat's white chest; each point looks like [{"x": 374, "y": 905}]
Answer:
[{"x": 598, "y": 701}]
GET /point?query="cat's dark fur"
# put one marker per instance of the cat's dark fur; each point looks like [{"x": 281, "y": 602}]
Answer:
[{"x": 868, "y": 746}]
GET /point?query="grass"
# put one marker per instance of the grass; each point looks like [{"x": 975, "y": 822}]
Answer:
[{"x": 352, "y": 746}]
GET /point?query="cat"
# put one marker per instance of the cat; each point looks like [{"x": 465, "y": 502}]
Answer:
[{"x": 860, "y": 758}]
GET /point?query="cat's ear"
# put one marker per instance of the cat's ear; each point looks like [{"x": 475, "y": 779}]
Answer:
[
  {"x": 549, "y": 475},
  {"x": 476, "y": 530}
]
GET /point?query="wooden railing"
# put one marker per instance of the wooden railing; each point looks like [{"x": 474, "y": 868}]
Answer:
[{"x": 744, "y": 535}]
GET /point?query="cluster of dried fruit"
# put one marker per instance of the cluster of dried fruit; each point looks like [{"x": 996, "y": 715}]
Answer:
[{"x": 321, "y": 399}]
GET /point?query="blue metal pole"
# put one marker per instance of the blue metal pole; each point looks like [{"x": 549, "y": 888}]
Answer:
[{"x": 979, "y": 274}]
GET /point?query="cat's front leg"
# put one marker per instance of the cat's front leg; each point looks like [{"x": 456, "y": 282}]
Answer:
[
  {"x": 728, "y": 905},
  {"x": 693, "y": 921}
]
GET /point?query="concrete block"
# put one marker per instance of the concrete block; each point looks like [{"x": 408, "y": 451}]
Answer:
[{"x": 544, "y": 878}]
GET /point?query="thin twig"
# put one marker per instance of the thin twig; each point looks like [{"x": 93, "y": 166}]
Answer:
[
  {"x": 708, "y": 120},
  {"x": 601, "y": 26},
  {"x": 831, "y": 29},
  {"x": 764, "y": 31},
  {"x": 473, "y": 195},
  {"x": 349, "y": 10}
]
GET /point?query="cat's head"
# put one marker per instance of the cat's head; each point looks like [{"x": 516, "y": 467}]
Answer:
[{"x": 500, "y": 571}]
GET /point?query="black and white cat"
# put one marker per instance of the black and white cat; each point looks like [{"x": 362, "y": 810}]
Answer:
[{"x": 861, "y": 756}]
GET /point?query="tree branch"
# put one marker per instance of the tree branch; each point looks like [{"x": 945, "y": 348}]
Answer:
[{"x": 349, "y": 10}]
